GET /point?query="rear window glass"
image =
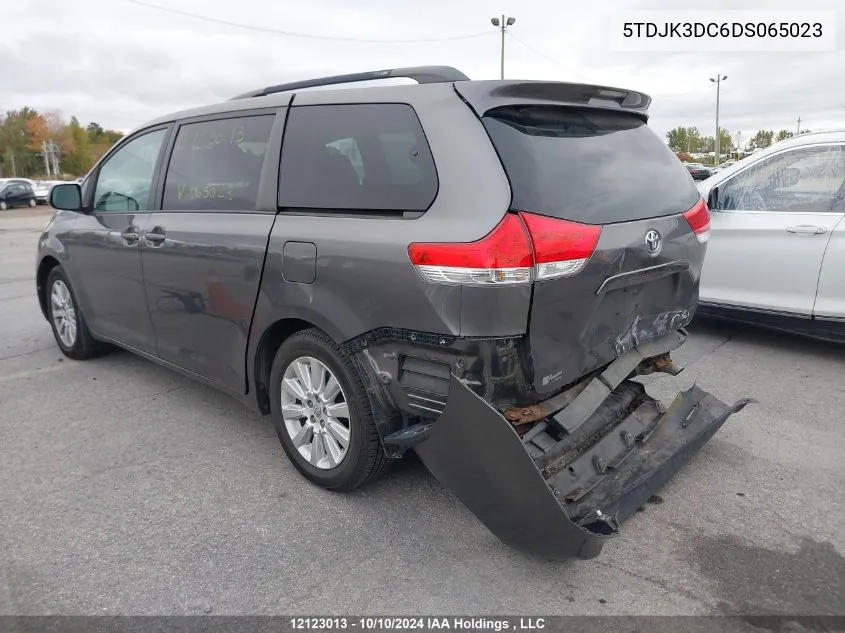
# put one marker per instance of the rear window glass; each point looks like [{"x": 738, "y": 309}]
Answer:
[
  {"x": 357, "y": 157},
  {"x": 589, "y": 166}
]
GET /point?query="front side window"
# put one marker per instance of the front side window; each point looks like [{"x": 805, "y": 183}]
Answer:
[
  {"x": 216, "y": 165},
  {"x": 358, "y": 157},
  {"x": 804, "y": 180},
  {"x": 125, "y": 179}
]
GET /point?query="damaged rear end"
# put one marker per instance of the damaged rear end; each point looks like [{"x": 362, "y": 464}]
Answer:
[
  {"x": 557, "y": 478},
  {"x": 547, "y": 437}
]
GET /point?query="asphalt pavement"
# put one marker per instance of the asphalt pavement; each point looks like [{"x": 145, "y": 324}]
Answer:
[{"x": 128, "y": 489}]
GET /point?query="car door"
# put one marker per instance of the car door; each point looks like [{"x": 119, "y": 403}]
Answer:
[
  {"x": 770, "y": 226},
  {"x": 104, "y": 245},
  {"x": 203, "y": 251},
  {"x": 12, "y": 193},
  {"x": 830, "y": 297}
]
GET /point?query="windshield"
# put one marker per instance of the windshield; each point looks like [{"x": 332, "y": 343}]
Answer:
[{"x": 588, "y": 165}]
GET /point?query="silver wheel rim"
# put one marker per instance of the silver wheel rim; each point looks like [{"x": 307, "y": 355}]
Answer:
[
  {"x": 3, "y": 206},
  {"x": 315, "y": 412},
  {"x": 64, "y": 314}
]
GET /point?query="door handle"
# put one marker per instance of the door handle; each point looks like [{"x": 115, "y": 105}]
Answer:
[
  {"x": 130, "y": 234},
  {"x": 155, "y": 236},
  {"x": 806, "y": 229}
]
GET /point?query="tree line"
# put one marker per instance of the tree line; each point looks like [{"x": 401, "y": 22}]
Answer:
[
  {"x": 688, "y": 140},
  {"x": 29, "y": 139}
]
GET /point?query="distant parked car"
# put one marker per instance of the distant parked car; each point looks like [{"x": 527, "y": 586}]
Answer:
[
  {"x": 42, "y": 191},
  {"x": 721, "y": 166},
  {"x": 23, "y": 181},
  {"x": 698, "y": 171},
  {"x": 16, "y": 194}
]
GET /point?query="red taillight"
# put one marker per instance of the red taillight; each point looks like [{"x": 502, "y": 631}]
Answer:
[
  {"x": 503, "y": 256},
  {"x": 507, "y": 255},
  {"x": 561, "y": 248},
  {"x": 699, "y": 220}
]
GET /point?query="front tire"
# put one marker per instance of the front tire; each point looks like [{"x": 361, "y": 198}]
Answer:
[
  {"x": 32, "y": 203},
  {"x": 3, "y": 205},
  {"x": 322, "y": 414},
  {"x": 66, "y": 319}
]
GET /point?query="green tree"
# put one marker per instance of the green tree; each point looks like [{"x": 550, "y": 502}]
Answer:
[
  {"x": 677, "y": 139},
  {"x": 684, "y": 139},
  {"x": 95, "y": 131},
  {"x": 783, "y": 135},
  {"x": 725, "y": 141},
  {"x": 762, "y": 139},
  {"x": 77, "y": 160},
  {"x": 17, "y": 156}
]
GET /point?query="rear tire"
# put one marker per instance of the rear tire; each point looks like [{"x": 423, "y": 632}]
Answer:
[
  {"x": 66, "y": 319},
  {"x": 315, "y": 418}
]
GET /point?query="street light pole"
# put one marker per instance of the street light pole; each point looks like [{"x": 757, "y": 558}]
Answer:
[
  {"x": 502, "y": 24},
  {"x": 718, "y": 81}
]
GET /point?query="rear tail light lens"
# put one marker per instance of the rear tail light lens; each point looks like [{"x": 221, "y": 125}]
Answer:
[
  {"x": 502, "y": 257},
  {"x": 518, "y": 245},
  {"x": 699, "y": 220},
  {"x": 561, "y": 248}
]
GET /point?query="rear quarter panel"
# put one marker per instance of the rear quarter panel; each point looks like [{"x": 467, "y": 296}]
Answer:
[{"x": 364, "y": 279}]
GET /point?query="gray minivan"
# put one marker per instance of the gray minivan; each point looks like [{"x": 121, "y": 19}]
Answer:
[{"x": 475, "y": 270}]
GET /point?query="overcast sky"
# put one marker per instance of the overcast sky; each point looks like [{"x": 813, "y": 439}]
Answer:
[{"x": 119, "y": 63}]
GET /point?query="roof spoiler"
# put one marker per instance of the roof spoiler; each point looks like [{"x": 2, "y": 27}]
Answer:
[
  {"x": 485, "y": 95},
  {"x": 421, "y": 74}
]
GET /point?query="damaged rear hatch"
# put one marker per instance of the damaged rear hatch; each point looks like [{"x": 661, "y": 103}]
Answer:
[
  {"x": 618, "y": 233},
  {"x": 612, "y": 215}
]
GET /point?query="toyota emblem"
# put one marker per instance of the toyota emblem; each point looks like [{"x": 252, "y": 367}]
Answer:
[{"x": 653, "y": 243}]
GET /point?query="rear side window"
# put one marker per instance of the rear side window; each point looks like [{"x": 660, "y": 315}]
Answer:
[
  {"x": 216, "y": 165},
  {"x": 590, "y": 166},
  {"x": 360, "y": 157}
]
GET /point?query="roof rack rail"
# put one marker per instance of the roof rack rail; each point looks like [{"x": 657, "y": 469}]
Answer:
[{"x": 422, "y": 74}]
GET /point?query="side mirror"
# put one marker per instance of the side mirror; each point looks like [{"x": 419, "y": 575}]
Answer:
[
  {"x": 67, "y": 197},
  {"x": 713, "y": 199}
]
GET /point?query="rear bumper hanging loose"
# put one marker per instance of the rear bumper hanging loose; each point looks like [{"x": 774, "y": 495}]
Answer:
[{"x": 567, "y": 500}]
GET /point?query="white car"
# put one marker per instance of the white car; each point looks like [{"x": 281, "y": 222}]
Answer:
[{"x": 776, "y": 255}]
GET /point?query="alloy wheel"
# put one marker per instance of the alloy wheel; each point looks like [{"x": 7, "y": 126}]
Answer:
[
  {"x": 64, "y": 313},
  {"x": 315, "y": 412}
]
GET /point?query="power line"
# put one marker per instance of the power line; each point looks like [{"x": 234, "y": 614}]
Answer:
[
  {"x": 683, "y": 94},
  {"x": 549, "y": 59},
  {"x": 309, "y": 36}
]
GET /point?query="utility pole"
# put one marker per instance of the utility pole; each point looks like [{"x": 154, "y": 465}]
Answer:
[
  {"x": 798, "y": 131},
  {"x": 502, "y": 24},
  {"x": 46, "y": 153},
  {"x": 718, "y": 81},
  {"x": 54, "y": 152}
]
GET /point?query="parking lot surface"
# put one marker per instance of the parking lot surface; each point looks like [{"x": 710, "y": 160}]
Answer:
[{"x": 128, "y": 489}]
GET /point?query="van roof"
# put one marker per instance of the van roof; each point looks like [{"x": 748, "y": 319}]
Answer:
[{"x": 480, "y": 94}]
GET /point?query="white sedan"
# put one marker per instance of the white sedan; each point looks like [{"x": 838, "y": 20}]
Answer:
[{"x": 776, "y": 255}]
